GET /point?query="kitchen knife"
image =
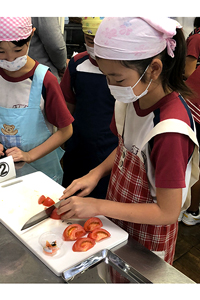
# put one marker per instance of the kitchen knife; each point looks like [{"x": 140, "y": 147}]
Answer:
[{"x": 43, "y": 214}]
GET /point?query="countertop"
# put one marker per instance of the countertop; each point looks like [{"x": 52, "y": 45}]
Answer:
[{"x": 19, "y": 265}]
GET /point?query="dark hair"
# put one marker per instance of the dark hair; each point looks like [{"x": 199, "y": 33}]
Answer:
[
  {"x": 173, "y": 68},
  {"x": 197, "y": 22},
  {"x": 20, "y": 43}
]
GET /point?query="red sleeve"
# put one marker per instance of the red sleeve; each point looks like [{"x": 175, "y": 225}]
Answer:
[
  {"x": 113, "y": 127},
  {"x": 193, "y": 46},
  {"x": 169, "y": 156},
  {"x": 66, "y": 87},
  {"x": 56, "y": 109}
]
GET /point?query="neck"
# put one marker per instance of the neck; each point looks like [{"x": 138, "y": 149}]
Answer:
[
  {"x": 24, "y": 70},
  {"x": 154, "y": 94}
]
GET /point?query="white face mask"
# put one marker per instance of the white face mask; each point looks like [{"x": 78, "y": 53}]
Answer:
[
  {"x": 90, "y": 51},
  {"x": 14, "y": 65},
  {"x": 125, "y": 94}
]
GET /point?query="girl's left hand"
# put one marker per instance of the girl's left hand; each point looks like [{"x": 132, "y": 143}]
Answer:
[
  {"x": 78, "y": 207},
  {"x": 18, "y": 155}
]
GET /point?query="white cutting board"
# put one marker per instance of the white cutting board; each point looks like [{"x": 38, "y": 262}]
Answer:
[{"x": 19, "y": 202}]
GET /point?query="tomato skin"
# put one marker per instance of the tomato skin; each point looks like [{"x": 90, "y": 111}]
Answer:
[
  {"x": 54, "y": 215},
  {"x": 73, "y": 232},
  {"x": 41, "y": 199},
  {"x": 99, "y": 234},
  {"x": 92, "y": 223},
  {"x": 48, "y": 202},
  {"x": 83, "y": 244}
]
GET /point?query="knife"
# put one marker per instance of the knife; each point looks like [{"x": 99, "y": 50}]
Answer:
[{"x": 45, "y": 214}]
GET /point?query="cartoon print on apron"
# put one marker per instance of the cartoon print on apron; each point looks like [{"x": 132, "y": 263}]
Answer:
[
  {"x": 25, "y": 128},
  {"x": 129, "y": 184}
]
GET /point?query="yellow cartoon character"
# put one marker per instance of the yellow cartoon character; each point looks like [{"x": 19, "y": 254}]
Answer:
[{"x": 9, "y": 129}]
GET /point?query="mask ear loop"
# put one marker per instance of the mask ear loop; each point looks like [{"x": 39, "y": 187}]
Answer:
[{"x": 140, "y": 77}]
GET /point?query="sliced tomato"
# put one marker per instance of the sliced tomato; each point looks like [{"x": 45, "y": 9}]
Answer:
[
  {"x": 41, "y": 199},
  {"x": 92, "y": 223},
  {"x": 73, "y": 232},
  {"x": 48, "y": 202},
  {"x": 54, "y": 215},
  {"x": 83, "y": 244},
  {"x": 99, "y": 234}
]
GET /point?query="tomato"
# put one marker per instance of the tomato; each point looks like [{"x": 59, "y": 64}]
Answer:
[
  {"x": 48, "y": 202},
  {"x": 41, "y": 199},
  {"x": 54, "y": 215},
  {"x": 92, "y": 224},
  {"x": 99, "y": 234},
  {"x": 73, "y": 232},
  {"x": 83, "y": 244}
]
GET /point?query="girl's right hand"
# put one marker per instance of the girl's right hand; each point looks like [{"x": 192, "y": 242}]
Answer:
[{"x": 85, "y": 184}]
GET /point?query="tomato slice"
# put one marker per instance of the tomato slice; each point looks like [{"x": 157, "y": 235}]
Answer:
[
  {"x": 73, "y": 232},
  {"x": 99, "y": 234},
  {"x": 48, "y": 201},
  {"x": 83, "y": 244},
  {"x": 41, "y": 199},
  {"x": 92, "y": 223},
  {"x": 54, "y": 215}
]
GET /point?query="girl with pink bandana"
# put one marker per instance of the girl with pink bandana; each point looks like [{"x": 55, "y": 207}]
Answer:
[
  {"x": 31, "y": 103},
  {"x": 156, "y": 161}
]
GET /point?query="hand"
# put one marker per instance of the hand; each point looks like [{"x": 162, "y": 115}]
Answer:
[
  {"x": 18, "y": 155},
  {"x": 86, "y": 184},
  {"x": 78, "y": 207},
  {"x": 1, "y": 150}
]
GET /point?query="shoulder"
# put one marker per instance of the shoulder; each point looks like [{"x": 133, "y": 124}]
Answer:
[
  {"x": 173, "y": 106},
  {"x": 79, "y": 57}
]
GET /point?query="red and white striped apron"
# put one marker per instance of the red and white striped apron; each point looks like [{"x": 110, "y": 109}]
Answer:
[{"x": 129, "y": 184}]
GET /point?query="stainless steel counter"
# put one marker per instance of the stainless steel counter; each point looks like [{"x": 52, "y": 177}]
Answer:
[{"x": 19, "y": 265}]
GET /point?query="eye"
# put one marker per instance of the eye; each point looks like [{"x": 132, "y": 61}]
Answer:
[
  {"x": 18, "y": 50},
  {"x": 119, "y": 81}
]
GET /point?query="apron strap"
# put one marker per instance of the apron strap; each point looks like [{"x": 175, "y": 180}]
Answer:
[
  {"x": 178, "y": 126},
  {"x": 36, "y": 86}
]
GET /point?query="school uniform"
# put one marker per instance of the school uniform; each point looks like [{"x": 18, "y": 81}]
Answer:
[
  {"x": 29, "y": 108},
  {"x": 85, "y": 86},
  {"x": 157, "y": 148}
]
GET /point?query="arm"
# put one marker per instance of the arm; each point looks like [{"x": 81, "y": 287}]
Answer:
[
  {"x": 53, "y": 142},
  {"x": 164, "y": 212},
  {"x": 1, "y": 150},
  {"x": 88, "y": 182},
  {"x": 49, "y": 32}
]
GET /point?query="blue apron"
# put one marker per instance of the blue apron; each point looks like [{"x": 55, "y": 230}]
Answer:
[{"x": 25, "y": 128}]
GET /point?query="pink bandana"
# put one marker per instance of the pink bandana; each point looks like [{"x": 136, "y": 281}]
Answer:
[
  {"x": 15, "y": 28},
  {"x": 135, "y": 38}
]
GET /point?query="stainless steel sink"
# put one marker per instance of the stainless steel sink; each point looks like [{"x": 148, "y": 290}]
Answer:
[{"x": 103, "y": 267}]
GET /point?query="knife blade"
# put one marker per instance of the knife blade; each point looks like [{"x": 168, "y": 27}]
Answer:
[
  {"x": 45, "y": 214},
  {"x": 39, "y": 217}
]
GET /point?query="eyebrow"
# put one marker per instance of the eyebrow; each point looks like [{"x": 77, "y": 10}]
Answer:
[{"x": 112, "y": 74}]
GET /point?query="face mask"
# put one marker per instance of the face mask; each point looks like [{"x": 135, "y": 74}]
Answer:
[
  {"x": 126, "y": 94},
  {"x": 16, "y": 64},
  {"x": 90, "y": 51}
]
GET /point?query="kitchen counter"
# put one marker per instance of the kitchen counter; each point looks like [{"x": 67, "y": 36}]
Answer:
[{"x": 19, "y": 265}]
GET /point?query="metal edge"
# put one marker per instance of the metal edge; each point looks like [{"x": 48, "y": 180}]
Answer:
[{"x": 110, "y": 258}]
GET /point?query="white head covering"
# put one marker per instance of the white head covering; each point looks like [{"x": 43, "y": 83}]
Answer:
[{"x": 128, "y": 38}]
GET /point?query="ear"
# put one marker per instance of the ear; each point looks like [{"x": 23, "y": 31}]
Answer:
[{"x": 156, "y": 67}]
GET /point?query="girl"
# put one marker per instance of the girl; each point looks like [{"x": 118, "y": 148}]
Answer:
[
  {"x": 31, "y": 103},
  {"x": 156, "y": 160},
  {"x": 89, "y": 100}
]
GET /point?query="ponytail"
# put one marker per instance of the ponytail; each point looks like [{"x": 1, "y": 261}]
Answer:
[{"x": 173, "y": 68}]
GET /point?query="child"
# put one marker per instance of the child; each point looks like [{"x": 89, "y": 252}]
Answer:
[
  {"x": 192, "y": 73},
  {"x": 156, "y": 160},
  {"x": 31, "y": 103},
  {"x": 89, "y": 100}
]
